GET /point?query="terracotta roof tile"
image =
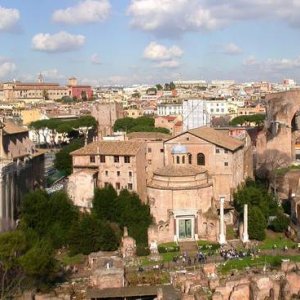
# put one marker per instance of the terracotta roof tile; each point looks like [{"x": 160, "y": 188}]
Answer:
[
  {"x": 217, "y": 137},
  {"x": 174, "y": 170},
  {"x": 148, "y": 135},
  {"x": 110, "y": 148},
  {"x": 12, "y": 128}
]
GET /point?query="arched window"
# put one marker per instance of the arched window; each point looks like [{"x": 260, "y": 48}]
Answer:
[
  {"x": 190, "y": 158},
  {"x": 177, "y": 160},
  {"x": 200, "y": 159},
  {"x": 183, "y": 159}
]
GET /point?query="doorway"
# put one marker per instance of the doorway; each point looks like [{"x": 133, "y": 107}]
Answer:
[{"x": 185, "y": 228}]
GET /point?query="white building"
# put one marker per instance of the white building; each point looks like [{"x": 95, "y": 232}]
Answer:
[
  {"x": 169, "y": 109},
  {"x": 194, "y": 114}
]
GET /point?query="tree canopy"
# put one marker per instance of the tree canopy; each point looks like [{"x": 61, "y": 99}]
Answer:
[
  {"x": 261, "y": 205},
  {"x": 64, "y": 126},
  {"x": 63, "y": 159},
  {"x": 248, "y": 120},
  {"x": 138, "y": 125}
]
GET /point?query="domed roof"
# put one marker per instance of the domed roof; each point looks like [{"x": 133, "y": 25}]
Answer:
[
  {"x": 179, "y": 170},
  {"x": 179, "y": 149}
]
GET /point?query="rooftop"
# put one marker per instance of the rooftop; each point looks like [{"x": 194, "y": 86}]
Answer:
[
  {"x": 217, "y": 137},
  {"x": 148, "y": 135},
  {"x": 110, "y": 148},
  {"x": 12, "y": 128},
  {"x": 179, "y": 170}
]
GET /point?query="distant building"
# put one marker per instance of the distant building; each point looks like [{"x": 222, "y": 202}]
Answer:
[
  {"x": 169, "y": 109},
  {"x": 106, "y": 115},
  {"x": 172, "y": 123},
  {"x": 194, "y": 114},
  {"x": 18, "y": 91}
]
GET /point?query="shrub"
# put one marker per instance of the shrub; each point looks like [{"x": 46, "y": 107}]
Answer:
[
  {"x": 257, "y": 224},
  {"x": 142, "y": 250},
  {"x": 280, "y": 223}
]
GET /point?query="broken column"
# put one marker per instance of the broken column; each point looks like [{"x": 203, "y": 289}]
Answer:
[
  {"x": 245, "y": 238},
  {"x": 222, "y": 239}
]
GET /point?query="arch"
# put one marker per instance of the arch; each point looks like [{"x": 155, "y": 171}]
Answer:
[
  {"x": 177, "y": 160},
  {"x": 183, "y": 159},
  {"x": 200, "y": 159},
  {"x": 190, "y": 158}
]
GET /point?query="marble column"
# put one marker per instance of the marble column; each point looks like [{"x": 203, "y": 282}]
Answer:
[
  {"x": 222, "y": 238},
  {"x": 245, "y": 227}
]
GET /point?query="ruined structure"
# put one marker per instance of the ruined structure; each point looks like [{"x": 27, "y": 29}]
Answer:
[
  {"x": 21, "y": 170},
  {"x": 282, "y": 126}
]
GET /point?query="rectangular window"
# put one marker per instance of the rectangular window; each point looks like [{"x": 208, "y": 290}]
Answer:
[
  {"x": 217, "y": 150},
  {"x": 92, "y": 159},
  {"x": 130, "y": 174},
  {"x": 149, "y": 150},
  {"x": 127, "y": 159},
  {"x": 162, "y": 150},
  {"x": 106, "y": 173},
  {"x": 226, "y": 164},
  {"x": 118, "y": 186},
  {"x": 118, "y": 173},
  {"x": 130, "y": 186},
  {"x": 116, "y": 159},
  {"x": 102, "y": 158},
  {"x": 225, "y": 151}
]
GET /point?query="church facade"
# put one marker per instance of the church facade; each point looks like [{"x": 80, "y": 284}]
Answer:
[{"x": 201, "y": 166}]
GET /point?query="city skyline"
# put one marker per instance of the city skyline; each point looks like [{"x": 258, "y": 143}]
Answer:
[{"x": 149, "y": 41}]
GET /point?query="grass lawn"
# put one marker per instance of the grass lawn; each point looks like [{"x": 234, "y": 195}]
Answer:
[
  {"x": 278, "y": 239},
  {"x": 166, "y": 257},
  {"x": 71, "y": 260},
  {"x": 169, "y": 244},
  {"x": 240, "y": 264}
]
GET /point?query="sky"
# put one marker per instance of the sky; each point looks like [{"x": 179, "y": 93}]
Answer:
[{"x": 149, "y": 41}]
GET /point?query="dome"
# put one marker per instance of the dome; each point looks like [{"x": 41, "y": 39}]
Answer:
[{"x": 179, "y": 149}]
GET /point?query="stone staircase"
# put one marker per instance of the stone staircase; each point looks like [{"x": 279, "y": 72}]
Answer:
[{"x": 188, "y": 247}]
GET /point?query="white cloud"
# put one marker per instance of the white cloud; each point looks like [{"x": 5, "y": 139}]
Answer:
[
  {"x": 250, "y": 61},
  {"x": 58, "y": 42},
  {"x": 53, "y": 74},
  {"x": 9, "y": 18},
  {"x": 232, "y": 49},
  {"x": 168, "y": 64},
  {"x": 170, "y": 17},
  {"x": 7, "y": 68},
  {"x": 87, "y": 11},
  {"x": 272, "y": 65},
  {"x": 95, "y": 59},
  {"x": 155, "y": 51},
  {"x": 174, "y": 17}
]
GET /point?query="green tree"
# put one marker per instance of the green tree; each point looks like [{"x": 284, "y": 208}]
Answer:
[
  {"x": 172, "y": 86},
  {"x": 247, "y": 120},
  {"x": 256, "y": 224},
  {"x": 90, "y": 234},
  {"x": 63, "y": 159},
  {"x": 39, "y": 263},
  {"x": 135, "y": 215},
  {"x": 159, "y": 87},
  {"x": 48, "y": 216},
  {"x": 105, "y": 203},
  {"x": 12, "y": 246},
  {"x": 255, "y": 194}
]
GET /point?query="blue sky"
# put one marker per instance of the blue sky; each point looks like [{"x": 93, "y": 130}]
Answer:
[{"x": 149, "y": 41}]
